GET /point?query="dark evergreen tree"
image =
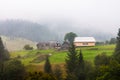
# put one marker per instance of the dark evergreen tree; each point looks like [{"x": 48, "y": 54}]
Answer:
[
  {"x": 4, "y": 55},
  {"x": 80, "y": 60},
  {"x": 117, "y": 49},
  {"x": 1, "y": 50},
  {"x": 71, "y": 63},
  {"x": 80, "y": 67},
  {"x": 47, "y": 66}
]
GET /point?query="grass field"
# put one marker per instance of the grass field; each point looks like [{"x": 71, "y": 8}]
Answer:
[{"x": 58, "y": 57}]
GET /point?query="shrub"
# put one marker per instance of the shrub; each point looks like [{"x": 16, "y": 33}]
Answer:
[{"x": 28, "y": 47}]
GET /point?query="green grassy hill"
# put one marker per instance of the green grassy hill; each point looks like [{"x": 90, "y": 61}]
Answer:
[{"x": 37, "y": 57}]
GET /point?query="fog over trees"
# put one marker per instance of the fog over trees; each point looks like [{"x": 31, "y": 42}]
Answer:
[{"x": 44, "y": 32}]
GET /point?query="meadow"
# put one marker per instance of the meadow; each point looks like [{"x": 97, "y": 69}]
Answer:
[{"x": 37, "y": 57}]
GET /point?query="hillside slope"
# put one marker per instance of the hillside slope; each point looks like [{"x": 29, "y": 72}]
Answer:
[{"x": 15, "y": 44}]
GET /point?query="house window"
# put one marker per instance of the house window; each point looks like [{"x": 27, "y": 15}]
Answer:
[{"x": 85, "y": 43}]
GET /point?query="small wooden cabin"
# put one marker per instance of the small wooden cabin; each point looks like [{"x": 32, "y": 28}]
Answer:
[{"x": 84, "y": 41}]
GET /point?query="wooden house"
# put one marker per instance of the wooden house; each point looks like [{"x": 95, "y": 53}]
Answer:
[
  {"x": 48, "y": 45},
  {"x": 84, "y": 41}
]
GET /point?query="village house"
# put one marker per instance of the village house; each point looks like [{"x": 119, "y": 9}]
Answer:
[
  {"x": 65, "y": 45},
  {"x": 48, "y": 45},
  {"x": 84, "y": 41}
]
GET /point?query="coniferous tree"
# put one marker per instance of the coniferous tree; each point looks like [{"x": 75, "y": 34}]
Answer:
[
  {"x": 71, "y": 63},
  {"x": 1, "y": 50},
  {"x": 80, "y": 67},
  {"x": 117, "y": 49},
  {"x": 4, "y": 55},
  {"x": 47, "y": 66},
  {"x": 80, "y": 60}
]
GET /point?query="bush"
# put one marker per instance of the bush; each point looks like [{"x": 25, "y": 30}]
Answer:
[
  {"x": 40, "y": 76},
  {"x": 28, "y": 47},
  {"x": 14, "y": 70},
  {"x": 58, "y": 72},
  {"x": 102, "y": 59}
]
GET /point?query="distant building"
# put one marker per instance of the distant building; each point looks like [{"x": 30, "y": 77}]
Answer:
[
  {"x": 84, "y": 41},
  {"x": 65, "y": 45},
  {"x": 48, "y": 45}
]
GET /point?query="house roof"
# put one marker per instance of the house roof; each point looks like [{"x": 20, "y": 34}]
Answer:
[{"x": 84, "y": 39}]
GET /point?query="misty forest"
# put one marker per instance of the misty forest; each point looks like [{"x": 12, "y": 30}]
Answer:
[{"x": 59, "y": 40}]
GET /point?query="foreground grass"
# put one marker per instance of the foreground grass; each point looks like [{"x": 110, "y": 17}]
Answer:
[{"x": 58, "y": 57}]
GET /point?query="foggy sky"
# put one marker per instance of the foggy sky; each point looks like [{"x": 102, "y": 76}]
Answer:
[{"x": 99, "y": 15}]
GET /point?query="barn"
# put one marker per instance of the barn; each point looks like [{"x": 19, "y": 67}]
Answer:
[{"x": 84, "y": 41}]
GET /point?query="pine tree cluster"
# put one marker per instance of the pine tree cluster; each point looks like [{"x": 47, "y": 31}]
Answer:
[{"x": 75, "y": 65}]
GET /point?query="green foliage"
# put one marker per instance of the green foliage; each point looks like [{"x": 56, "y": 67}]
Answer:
[
  {"x": 40, "y": 76},
  {"x": 14, "y": 70},
  {"x": 88, "y": 70},
  {"x": 28, "y": 47},
  {"x": 70, "y": 37},
  {"x": 109, "y": 72},
  {"x": 101, "y": 43},
  {"x": 47, "y": 66},
  {"x": 4, "y": 54},
  {"x": 71, "y": 63},
  {"x": 102, "y": 73},
  {"x": 102, "y": 59},
  {"x": 58, "y": 72},
  {"x": 80, "y": 69},
  {"x": 112, "y": 41},
  {"x": 76, "y": 67},
  {"x": 80, "y": 61},
  {"x": 108, "y": 68},
  {"x": 117, "y": 49}
]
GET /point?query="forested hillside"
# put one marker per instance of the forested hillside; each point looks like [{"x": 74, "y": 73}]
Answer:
[
  {"x": 25, "y": 29},
  {"x": 45, "y": 32}
]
